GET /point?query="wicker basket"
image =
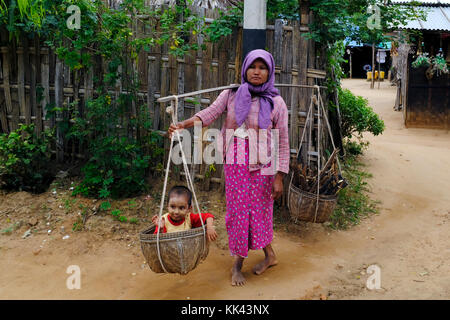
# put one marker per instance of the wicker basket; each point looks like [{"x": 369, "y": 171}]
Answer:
[
  {"x": 302, "y": 205},
  {"x": 180, "y": 252}
]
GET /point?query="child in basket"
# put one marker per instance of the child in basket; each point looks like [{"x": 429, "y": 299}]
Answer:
[{"x": 180, "y": 217}]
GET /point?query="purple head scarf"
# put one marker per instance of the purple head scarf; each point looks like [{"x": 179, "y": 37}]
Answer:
[{"x": 265, "y": 91}]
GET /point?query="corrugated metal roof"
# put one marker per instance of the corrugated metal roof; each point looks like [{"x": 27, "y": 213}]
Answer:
[
  {"x": 438, "y": 18},
  {"x": 424, "y": 2}
]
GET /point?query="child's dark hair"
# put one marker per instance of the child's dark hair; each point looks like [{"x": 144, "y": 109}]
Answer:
[{"x": 182, "y": 191}]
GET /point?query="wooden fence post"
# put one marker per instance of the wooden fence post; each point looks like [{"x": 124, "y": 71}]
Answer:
[
  {"x": 36, "y": 71},
  {"x": 198, "y": 103},
  {"x": 164, "y": 92},
  {"x": 21, "y": 81},
  {"x": 59, "y": 102},
  {"x": 76, "y": 99},
  {"x": 45, "y": 80},
  {"x": 302, "y": 61},
  {"x": 278, "y": 50},
  {"x": 153, "y": 71},
  {"x": 7, "y": 90},
  {"x": 26, "y": 66}
]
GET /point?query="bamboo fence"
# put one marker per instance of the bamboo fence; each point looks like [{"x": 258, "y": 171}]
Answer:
[{"x": 29, "y": 64}]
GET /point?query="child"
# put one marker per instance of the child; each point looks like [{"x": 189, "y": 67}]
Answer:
[{"x": 180, "y": 217}]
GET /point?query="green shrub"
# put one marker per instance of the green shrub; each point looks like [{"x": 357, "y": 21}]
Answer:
[
  {"x": 355, "y": 148},
  {"x": 116, "y": 169},
  {"x": 354, "y": 202},
  {"x": 118, "y": 163},
  {"x": 24, "y": 159},
  {"x": 356, "y": 116},
  {"x": 133, "y": 221}
]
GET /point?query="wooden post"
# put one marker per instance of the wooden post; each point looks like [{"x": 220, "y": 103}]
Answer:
[
  {"x": 286, "y": 62},
  {"x": 198, "y": 105},
  {"x": 164, "y": 89},
  {"x": 278, "y": 49},
  {"x": 59, "y": 101},
  {"x": 224, "y": 48},
  {"x": 37, "y": 71},
  {"x": 295, "y": 91},
  {"x": 3, "y": 113},
  {"x": 21, "y": 81},
  {"x": 180, "y": 88},
  {"x": 153, "y": 72},
  {"x": 76, "y": 99},
  {"x": 88, "y": 85},
  {"x": 351, "y": 66},
  {"x": 7, "y": 90},
  {"x": 379, "y": 70},
  {"x": 134, "y": 134},
  {"x": 231, "y": 58},
  {"x": 209, "y": 71},
  {"x": 32, "y": 106},
  {"x": 3, "y": 119},
  {"x": 237, "y": 59},
  {"x": 45, "y": 80},
  {"x": 372, "y": 84},
  {"x": 26, "y": 68},
  {"x": 311, "y": 53},
  {"x": 302, "y": 61}
]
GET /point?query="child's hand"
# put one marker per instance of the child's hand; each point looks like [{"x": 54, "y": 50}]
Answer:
[
  {"x": 211, "y": 233},
  {"x": 155, "y": 221}
]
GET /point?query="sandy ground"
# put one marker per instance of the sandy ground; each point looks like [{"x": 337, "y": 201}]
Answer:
[{"x": 408, "y": 240}]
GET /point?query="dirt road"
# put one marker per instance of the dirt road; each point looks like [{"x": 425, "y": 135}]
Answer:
[{"x": 408, "y": 240}]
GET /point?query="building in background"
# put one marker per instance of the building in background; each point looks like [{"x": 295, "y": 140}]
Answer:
[{"x": 424, "y": 91}]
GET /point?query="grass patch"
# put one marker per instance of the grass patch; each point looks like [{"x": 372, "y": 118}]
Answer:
[
  {"x": 354, "y": 202},
  {"x": 13, "y": 227}
]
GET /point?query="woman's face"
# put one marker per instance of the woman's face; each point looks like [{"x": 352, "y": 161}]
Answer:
[{"x": 257, "y": 73}]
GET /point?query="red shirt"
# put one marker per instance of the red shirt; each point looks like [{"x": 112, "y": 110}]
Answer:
[{"x": 195, "y": 221}]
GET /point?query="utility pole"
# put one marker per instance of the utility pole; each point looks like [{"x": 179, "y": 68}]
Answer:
[{"x": 254, "y": 35}]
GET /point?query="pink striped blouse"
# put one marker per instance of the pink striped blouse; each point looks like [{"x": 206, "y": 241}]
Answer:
[{"x": 279, "y": 117}]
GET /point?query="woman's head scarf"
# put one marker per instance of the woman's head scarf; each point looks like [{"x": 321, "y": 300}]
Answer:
[{"x": 266, "y": 91}]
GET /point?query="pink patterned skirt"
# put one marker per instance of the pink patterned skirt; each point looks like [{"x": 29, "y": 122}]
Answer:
[{"x": 249, "y": 215}]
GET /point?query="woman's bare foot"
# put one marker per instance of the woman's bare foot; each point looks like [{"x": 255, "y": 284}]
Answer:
[
  {"x": 237, "y": 278},
  {"x": 265, "y": 264},
  {"x": 270, "y": 260}
]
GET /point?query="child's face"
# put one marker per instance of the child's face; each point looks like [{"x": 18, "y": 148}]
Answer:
[{"x": 178, "y": 207}]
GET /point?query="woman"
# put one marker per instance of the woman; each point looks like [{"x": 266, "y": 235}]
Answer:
[{"x": 250, "y": 192}]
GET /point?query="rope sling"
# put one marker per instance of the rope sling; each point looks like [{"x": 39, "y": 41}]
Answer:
[
  {"x": 178, "y": 238},
  {"x": 315, "y": 100}
]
